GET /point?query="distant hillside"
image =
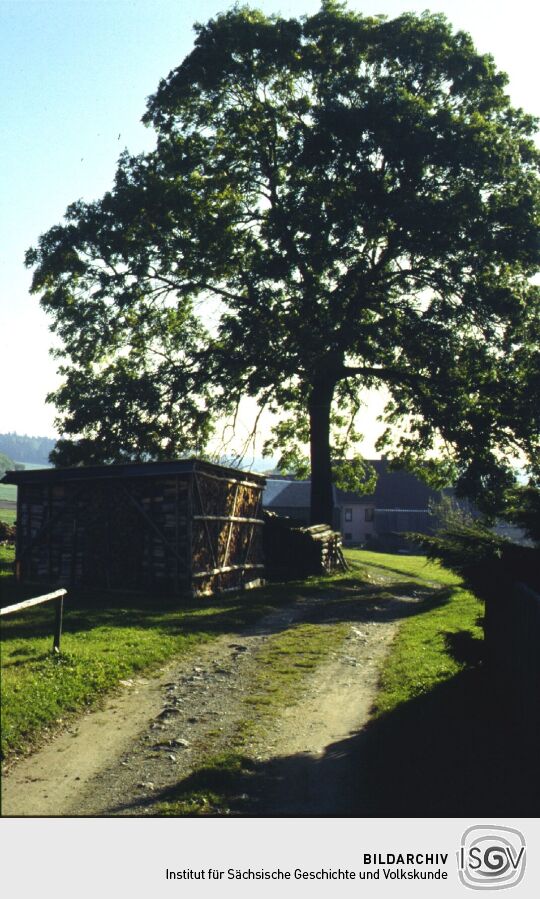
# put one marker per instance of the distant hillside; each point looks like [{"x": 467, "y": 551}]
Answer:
[{"x": 21, "y": 447}]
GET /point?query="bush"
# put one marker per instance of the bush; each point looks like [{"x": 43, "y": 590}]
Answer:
[
  {"x": 7, "y": 532},
  {"x": 489, "y": 564}
]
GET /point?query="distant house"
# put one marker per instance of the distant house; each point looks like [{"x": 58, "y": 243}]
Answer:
[
  {"x": 400, "y": 504},
  {"x": 288, "y": 498}
]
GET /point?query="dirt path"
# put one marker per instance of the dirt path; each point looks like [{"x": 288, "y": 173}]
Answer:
[{"x": 124, "y": 759}]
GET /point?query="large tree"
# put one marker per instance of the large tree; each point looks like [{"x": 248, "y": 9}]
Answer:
[{"x": 333, "y": 204}]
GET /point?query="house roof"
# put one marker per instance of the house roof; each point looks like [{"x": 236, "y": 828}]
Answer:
[
  {"x": 282, "y": 493},
  {"x": 394, "y": 490},
  {"x": 128, "y": 470}
]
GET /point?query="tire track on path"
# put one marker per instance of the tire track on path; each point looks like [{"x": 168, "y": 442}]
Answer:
[{"x": 124, "y": 758}]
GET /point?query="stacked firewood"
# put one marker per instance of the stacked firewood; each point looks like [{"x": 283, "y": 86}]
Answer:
[
  {"x": 326, "y": 547},
  {"x": 294, "y": 552}
]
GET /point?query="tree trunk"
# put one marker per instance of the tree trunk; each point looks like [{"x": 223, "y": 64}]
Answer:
[{"x": 322, "y": 499}]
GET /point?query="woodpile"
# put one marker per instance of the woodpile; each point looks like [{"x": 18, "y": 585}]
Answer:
[
  {"x": 186, "y": 527},
  {"x": 227, "y": 533},
  {"x": 297, "y": 552}
]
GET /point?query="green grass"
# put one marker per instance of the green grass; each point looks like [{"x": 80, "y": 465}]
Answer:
[
  {"x": 102, "y": 642},
  {"x": 440, "y": 741},
  {"x": 8, "y": 492},
  {"x": 421, "y": 656},
  {"x": 7, "y": 554},
  {"x": 8, "y": 515},
  {"x": 418, "y": 661},
  {"x": 430, "y": 731},
  {"x": 107, "y": 640},
  {"x": 283, "y": 665},
  {"x": 414, "y": 568}
]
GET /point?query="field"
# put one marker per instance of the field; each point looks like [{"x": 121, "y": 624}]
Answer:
[
  {"x": 8, "y": 493},
  {"x": 35, "y": 466},
  {"x": 8, "y": 515}
]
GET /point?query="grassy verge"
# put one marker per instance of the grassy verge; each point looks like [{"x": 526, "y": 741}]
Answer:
[
  {"x": 439, "y": 743},
  {"x": 434, "y": 646},
  {"x": 283, "y": 664}
]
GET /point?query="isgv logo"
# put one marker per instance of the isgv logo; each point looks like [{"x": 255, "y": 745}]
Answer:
[{"x": 491, "y": 857}]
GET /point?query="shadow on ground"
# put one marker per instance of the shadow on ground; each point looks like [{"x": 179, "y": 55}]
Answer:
[
  {"x": 342, "y": 599},
  {"x": 455, "y": 751}
]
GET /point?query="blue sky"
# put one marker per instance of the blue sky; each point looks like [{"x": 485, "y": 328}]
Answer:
[{"x": 74, "y": 82}]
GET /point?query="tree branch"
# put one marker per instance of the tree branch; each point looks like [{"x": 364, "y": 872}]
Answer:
[{"x": 385, "y": 374}]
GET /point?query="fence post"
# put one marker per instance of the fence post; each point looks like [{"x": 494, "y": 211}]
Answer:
[
  {"x": 58, "y": 623},
  {"x": 57, "y": 597}
]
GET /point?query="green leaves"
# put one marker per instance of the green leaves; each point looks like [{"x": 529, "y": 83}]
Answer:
[
  {"x": 6, "y": 464},
  {"x": 339, "y": 199}
]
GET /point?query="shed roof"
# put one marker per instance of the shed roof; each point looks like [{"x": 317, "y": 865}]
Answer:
[{"x": 129, "y": 470}]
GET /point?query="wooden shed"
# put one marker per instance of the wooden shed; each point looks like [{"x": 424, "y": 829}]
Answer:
[{"x": 187, "y": 527}]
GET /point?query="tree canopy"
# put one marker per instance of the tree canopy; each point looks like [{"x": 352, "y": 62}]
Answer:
[
  {"x": 334, "y": 203},
  {"x": 30, "y": 449}
]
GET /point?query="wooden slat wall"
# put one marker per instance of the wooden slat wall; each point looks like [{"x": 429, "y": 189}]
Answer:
[
  {"x": 183, "y": 533},
  {"x": 117, "y": 535}
]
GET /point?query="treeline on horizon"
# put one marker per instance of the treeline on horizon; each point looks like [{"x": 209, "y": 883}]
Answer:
[{"x": 22, "y": 448}]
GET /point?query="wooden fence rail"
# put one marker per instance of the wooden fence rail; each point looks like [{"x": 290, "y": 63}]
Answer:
[{"x": 57, "y": 596}]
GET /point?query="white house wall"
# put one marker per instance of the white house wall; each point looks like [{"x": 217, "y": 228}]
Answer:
[{"x": 357, "y": 529}]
